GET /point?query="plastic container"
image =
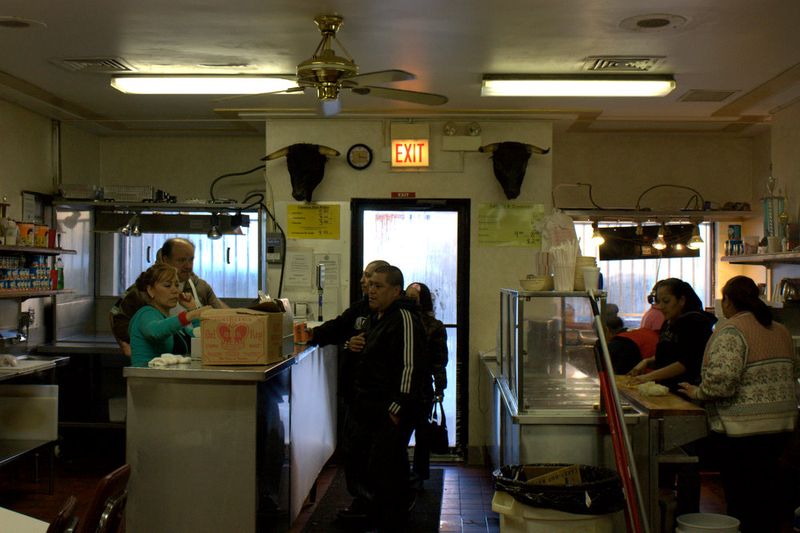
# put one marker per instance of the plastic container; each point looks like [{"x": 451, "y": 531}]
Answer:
[
  {"x": 599, "y": 491},
  {"x": 516, "y": 517},
  {"x": 707, "y": 523}
]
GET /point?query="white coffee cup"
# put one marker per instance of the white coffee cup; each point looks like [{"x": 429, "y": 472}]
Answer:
[{"x": 591, "y": 278}]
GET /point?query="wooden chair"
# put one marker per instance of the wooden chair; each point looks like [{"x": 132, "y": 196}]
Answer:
[
  {"x": 65, "y": 521},
  {"x": 106, "y": 511}
]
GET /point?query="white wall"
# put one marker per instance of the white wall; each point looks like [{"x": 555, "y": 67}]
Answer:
[
  {"x": 25, "y": 165},
  {"x": 622, "y": 166},
  {"x": 183, "y": 166},
  {"x": 449, "y": 177}
]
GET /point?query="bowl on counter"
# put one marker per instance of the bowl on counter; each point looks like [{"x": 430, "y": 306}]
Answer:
[{"x": 537, "y": 283}]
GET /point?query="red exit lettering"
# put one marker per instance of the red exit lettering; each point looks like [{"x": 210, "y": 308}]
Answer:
[{"x": 410, "y": 152}]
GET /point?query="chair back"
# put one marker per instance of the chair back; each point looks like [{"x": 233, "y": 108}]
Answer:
[
  {"x": 65, "y": 521},
  {"x": 106, "y": 511}
]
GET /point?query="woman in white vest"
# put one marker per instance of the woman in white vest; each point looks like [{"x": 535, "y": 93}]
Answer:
[{"x": 748, "y": 388}]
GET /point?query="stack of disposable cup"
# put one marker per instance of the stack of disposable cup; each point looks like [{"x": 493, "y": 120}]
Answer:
[
  {"x": 583, "y": 261},
  {"x": 563, "y": 262}
]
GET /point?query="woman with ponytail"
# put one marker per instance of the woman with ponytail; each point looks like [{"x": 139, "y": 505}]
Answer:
[
  {"x": 748, "y": 386},
  {"x": 682, "y": 339}
]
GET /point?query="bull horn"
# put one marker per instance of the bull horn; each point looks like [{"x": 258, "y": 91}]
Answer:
[
  {"x": 532, "y": 148},
  {"x": 325, "y": 150},
  {"x": 276, "y": 154},
  {"x": 489, "y": 148}
]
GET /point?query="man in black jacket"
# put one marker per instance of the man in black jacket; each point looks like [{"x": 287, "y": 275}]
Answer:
[
  {"x": 389, "y": 383},
  {"x": 339, "y": 331},
  {"x": 345, "y": 326}
]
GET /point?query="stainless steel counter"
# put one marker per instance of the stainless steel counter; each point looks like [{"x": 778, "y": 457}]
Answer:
[
  {"x": 196, "y": 370},
  {"x": 230, "y": 448},
  {"x": 27, "y": 364},
  {"x": 87, "y": 344}
]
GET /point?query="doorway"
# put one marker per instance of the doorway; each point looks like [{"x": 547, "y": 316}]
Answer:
[{"x": 428, "y": 240}]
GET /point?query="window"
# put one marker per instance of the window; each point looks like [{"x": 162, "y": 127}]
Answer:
[
  {"x": 628, "y": 282},
  {"x": 229, "y": 264}
]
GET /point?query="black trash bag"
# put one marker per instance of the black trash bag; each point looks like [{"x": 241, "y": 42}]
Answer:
[{"x": 600, "y": 491}]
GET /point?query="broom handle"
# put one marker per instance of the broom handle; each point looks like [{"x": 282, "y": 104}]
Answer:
[{"x": 623, "y": 453}]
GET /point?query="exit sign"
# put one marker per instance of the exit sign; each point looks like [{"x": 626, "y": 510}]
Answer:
[{"x": 409, "y": 153}]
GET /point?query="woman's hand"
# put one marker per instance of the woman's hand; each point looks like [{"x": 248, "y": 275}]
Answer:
[
  {"x": 186, "y": 299},
  {"x": 640, "y": 367},
  {"x": 688, "y": 389},
  {"x": 195, "y": 313},
  {"x": 638, "y": 380}
]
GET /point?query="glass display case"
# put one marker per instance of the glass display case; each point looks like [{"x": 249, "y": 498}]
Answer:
[{"x": 546, "y": 349}]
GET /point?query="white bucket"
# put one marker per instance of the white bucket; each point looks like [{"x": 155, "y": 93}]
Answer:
[{"x": 707, "y": 523}]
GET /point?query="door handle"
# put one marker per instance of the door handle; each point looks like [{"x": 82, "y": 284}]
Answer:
[
  {"x": 148, "y": 254},
  {"x": 228, "y": 255}
]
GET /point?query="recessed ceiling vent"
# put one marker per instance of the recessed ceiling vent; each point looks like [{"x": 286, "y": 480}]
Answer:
[
  {"x": 705, "y": 95},
  {"x": 621, "y": 63},
  {"x": 100, "y": 65}
]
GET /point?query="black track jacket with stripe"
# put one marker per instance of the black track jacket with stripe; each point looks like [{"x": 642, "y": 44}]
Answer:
[{"x": 391, "y": 373}]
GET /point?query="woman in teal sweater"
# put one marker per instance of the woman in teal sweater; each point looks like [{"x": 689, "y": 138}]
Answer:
[{"x": 151, "y": 328}]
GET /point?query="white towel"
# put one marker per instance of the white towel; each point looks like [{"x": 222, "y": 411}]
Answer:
[{"x": 168, "y": 359}]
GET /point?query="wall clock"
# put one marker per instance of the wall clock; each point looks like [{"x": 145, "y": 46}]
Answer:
[{"x": 359, "y": 156}]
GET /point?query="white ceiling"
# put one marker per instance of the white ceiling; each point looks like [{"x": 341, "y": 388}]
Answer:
[{"x": 751, "y": 48}]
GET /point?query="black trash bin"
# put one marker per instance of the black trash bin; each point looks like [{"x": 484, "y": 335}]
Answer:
[{"x": 599, "y": 491}]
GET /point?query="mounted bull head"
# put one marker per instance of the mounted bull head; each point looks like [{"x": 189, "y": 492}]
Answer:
[
  {"x": 510, "y": 160},
  {"x": 306, "y": 164}
]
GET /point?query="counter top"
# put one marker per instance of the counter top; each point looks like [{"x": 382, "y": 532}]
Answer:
[
  {"x": 657, "y": 406},
  {"x": 30, "y": 365},
  {"x": 197, "y": 371},
  {"x": 96, "y": 344}
]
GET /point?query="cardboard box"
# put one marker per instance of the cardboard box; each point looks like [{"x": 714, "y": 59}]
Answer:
[{"x": 241, "y": 337}]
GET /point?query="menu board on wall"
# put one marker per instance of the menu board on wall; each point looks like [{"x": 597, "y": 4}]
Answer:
[
  {"x": 509, "y": 224},
  {"x": 312, "y": 221}
]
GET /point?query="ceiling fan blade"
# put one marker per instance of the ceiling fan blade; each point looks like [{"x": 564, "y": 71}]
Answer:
[
  {"x": 382, "y": 76},
  {"x": 290, "y": 90},
  {"x": 406, "y": 96}
]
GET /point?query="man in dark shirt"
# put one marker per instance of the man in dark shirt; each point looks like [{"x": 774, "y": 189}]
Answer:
[{"x": 388, "y": 392}]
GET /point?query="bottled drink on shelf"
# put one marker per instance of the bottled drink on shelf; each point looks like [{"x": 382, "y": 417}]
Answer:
[{"x": 59, "y": 273}]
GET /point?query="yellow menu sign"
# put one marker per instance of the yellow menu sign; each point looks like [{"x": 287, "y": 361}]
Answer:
[
  {"x": 510, "y": 225},
  {"x": 312, "y": 221}
]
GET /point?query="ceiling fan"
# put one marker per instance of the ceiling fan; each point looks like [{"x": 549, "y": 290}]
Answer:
[{"x": 329, "y": 74}]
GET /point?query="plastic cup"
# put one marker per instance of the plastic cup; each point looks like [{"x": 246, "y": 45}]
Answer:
[{"x": 591, "y": 278}]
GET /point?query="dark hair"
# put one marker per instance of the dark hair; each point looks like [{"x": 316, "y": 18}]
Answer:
[
  {"x": 680, "y": 289},
  {"x": 425, "y": 297},
  {"x": 742, "y": 292},
  {"x": 169, "y": 246},
  {"x": 377, "y": 263},
  {"x": 154, "y": 274},
  {"x": 394, "y": 276}
]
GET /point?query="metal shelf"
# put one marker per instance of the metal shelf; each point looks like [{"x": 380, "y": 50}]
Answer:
[
  {"x": 764, "y": 259},
  {"x": 24, "y": 295},
  {"x": 36, "y": 251},
  {"x": 643, "y": 215}
]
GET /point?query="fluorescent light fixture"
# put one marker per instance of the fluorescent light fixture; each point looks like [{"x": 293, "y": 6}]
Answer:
[
  {"x": 202, "y": 84},
  {"x": 576, "y": 85}
]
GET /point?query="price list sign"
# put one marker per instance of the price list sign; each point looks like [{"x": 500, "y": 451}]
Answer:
[
  {"x": 510, "y": 225},
  {"x": 312, "y": 222}
]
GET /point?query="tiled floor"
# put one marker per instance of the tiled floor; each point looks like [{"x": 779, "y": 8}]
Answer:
[{"x": 466, "y": 501}]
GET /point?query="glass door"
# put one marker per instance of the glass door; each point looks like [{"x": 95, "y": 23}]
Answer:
[{"x": 428, "y": 240}]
